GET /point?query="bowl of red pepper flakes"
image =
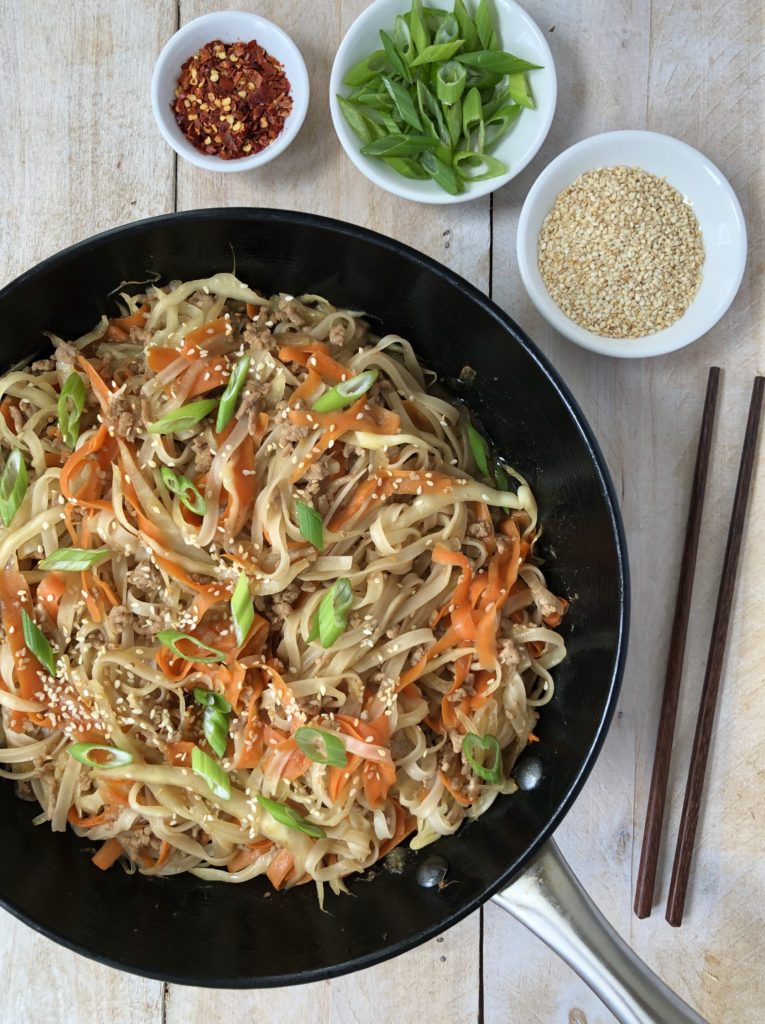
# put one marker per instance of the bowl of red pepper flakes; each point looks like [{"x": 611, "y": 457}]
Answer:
[{"x": 230, "y": 91}]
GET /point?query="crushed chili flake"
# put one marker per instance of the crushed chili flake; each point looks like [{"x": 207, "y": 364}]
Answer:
[{"x": 232, "y": 99}]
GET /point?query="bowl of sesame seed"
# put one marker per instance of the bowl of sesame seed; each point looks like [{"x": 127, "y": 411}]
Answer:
[{"x": 631, "y": 244}]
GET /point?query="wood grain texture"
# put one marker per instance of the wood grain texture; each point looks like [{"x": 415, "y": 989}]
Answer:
[
  {"x": 694, "y": 71},
  {"x": 81, "y": 155},
  {"x": 93, "y": 158}
]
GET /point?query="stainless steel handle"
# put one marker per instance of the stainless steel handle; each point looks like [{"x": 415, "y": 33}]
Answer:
[{"x": 549, "y": 900}]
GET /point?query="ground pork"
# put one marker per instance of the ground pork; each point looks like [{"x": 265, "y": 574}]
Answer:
[
  {"x": 283, "y": 604},
  {"x": 42, "y": 366},
  {"x": 147, "y": 579},
  {"x": 141, "y": 334},
  {"x": 203, "y": 454},
  {"x": 258, "y": 338},
  {"x": 507, "y": 652},
  {"x": 295, "y": 314},
  {"x": 118, "y": 620},
  {"x": 201, "y": 300},
  {"x": 337, "y": 334},
  {"x": 66, "y": 356},
  {"x": 125, "y": 414},
  {"x": 314, "y": 475},
  {"x": 479, "y": 530},
  {"x": 291, "y": 433}
]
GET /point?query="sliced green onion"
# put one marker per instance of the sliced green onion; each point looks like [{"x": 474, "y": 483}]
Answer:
[
  {"x": 402, "y": 37},
  {"x": 214, "y": 718},
  {"x": 467, "y": 30},
  {"x": 321, "y": 746},
  {"x": 496, "y": 62},
  {"x": 432, "y": 115},
  {"x": 286, "y": 816},
  {"x": 472, "y": 121},
  {"x": 478, "y": 166},
  {"x": 489, "y": 772},
  {"x": 242, "y": 611},
  {"x": 37, "y": 643},
  {"x": 310, "y": 525},
  {"x": 518, "y": 90},
  {"x": 501, "y": 479},
  {"x": 450, "y": 82},
  {"x": 399, "y": 145},
  {"x": 116, "y": 759},
  {"x": 500, "y": 122},
  {"x": 403, "y": 103},
  {"x": 448, "y": 30},
  {"x": 184, "y": 418},
  {"x": 211, "y": 699},
  {"x": 186, "y": 490},
  {"x": 75, "y": 559},
  {"x": 355, "y": 118},
  {"x": 172, "y": 637},
  {"x": 204, "y": 766},
  {"x": 480, "y": 450},
  {"x": 418, "y": 27},
  {"x": 454, "y": 123},
  {"x": 438, "y": 52},
  {"x": 346, "y": 392},
  {"x": 71, "y": 402},
  {"x": 395, "y": 58},
  {"x": 13, "y": 486},
  {"x": 405, "y": 167},
  {"x": 485, "y": 25},
  {"x": 332, "y": 616},
  {"x": 230, "y": 397},
  {"x": 441, "y": 173},
  {"x": 367, "y": 69}
]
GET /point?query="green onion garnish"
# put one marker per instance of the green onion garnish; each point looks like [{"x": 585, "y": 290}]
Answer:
[
  {"x": 116, "y": 757},
  {"x": 242, "y": 611},
  {"x": 37, "y": 643},
  {"x": 204, "y": 766},
  {"x": 229, "y": 398},
  {"x": 501, "y": 479},
  {"x": 172, "y": 637},
  {"x": 71, "y": 402},
  {"x": 184, "y": 418},
  {"x": 489, "y": 772},
  {"x": 214, "y": 718},
  {"x": 346, "y": 392},
  {"x": 480, "y": 450},
  {"x": 310, "y": 525},
  {"x": 332, "y": 616},
  {"x": 321, "y": 746},
  {"x": 13, "y": 486},
  {"x": 75, "y": 559},
  {"x": 186, "y": 490},
  {"x": 450, "y": 82},
  {"x": 286, "y": 816}
]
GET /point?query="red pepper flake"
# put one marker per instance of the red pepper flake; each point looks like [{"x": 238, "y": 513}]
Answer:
[{"x": 232, "y": 99}]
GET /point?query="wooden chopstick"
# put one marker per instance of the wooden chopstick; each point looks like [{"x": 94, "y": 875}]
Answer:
[
  {"x": 681, "y": 868},
  {"x": 649, "y": 854}
]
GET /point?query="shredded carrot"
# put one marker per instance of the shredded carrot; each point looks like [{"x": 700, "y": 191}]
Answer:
[
  {"x": 96, "y": 819},
  {"x": 137, "y": 319},
  {"x": 248, "y": 855},
  {"x": 108, "y": 854},
  {"x": 159, "y": 358},
  {"x": 103, "y": 393},
  {"x": 15, "y": 596},
  {"x": 179, "y": 753},
  {"x": 406, "y": 823},
  {"x": 458, "y": 796},
  {"x": 533, "y": 738},
  {"x": 50, "y": 590},
  {"x": 6, "y": 405},
  {"x": 279, "y": 868},
  {"x": 201, "y": 336}
]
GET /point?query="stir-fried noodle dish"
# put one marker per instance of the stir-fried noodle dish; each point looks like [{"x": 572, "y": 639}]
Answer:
[{"x": 270, "y": 605}]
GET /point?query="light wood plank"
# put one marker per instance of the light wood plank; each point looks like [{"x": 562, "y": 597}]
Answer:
[
  {"x": 315, "y": 175},
  {"x": 81, "y": 154},
  {"x": 702, "y": 82}
]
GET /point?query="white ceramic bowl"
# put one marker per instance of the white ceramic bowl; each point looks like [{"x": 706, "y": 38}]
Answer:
[
  {"x": 704, "y": 187},
  {"x": 518, "y": 34},
  {"x": 229, "y": 27}
]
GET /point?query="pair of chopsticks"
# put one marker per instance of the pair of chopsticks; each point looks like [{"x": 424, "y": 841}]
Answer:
[{"x": 681, "y": 867}]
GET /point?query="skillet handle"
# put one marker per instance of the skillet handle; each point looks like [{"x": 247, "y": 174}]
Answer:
[{"x": 548, "y": 898}]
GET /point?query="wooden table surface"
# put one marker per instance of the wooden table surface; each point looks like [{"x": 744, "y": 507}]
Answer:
[{"x": 81, "y": 153}]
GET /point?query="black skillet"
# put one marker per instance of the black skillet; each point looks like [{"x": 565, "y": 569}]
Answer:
[{"x": 135, "y": 923}]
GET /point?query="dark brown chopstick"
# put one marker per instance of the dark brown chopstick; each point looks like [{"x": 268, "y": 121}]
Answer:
[
  {"x": 649, "y": 854},
  {"x": 681, "y": 868}
]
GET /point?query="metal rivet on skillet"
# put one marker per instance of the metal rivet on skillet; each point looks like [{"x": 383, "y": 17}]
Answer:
[
  {"x": 432, "y": 871},
  {"x": 528, "y": 772}
]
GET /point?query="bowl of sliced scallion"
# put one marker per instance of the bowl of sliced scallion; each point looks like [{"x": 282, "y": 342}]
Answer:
[{"x": 442, "y": 106}]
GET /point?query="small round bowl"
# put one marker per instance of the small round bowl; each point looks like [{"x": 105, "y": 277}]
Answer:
[
  {"x": 713, "y": 201},
  {"x": 518, "y": 34},
  {"x": 229, "y": 27}
]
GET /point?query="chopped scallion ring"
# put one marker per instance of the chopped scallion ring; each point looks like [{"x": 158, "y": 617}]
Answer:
[
  {"x": 322, "y": 746},
  {"x": 286, "y": 816},
  {"x": 184, "y": 418},
  {"x": 71, "y": 402},
  {"x": 230, "y": 396},
  {"x": 116, "y": 758},
  {"x": 332, "y": 616},
  {"x": 172, "y": 637},
  {"x": 346, "y": 392},
  {"x": 75, "y": 559},
  {"x": 37, "y": 643},
  {"x": 310, "y": 525},
  {"x": 480, "y": 450},
  {"x": 13, "y": 486},
  {"x": 186, "y": 490},
  {"x": 491, "y": 772},
  {"x": 214, "y": 718},
  {"x": 242, "y": 611},
  {"x": 209, "y": 770}
]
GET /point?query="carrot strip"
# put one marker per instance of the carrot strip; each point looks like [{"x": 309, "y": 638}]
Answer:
[
  {"x": 203, "y": 334},
  {"x": 50, "y": 590},
  {"x": 279, "y": 868},
  {"x": 108, "y": 854},
  {"x": 248, "y": 855},
  {"x": 15, "y": 596},
  {"x": 459, "y": 797},
  {"x": 405, "y": 824},
  {"x": 179, "y": 753},
  {"x": 137, "y": 319},
  {"x": 159, "y": 358},
  {"x": 96, "y": 819},
  {"x": 103, "y": 393}
]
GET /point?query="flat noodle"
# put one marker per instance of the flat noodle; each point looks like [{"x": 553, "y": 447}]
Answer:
[{"x": 451, "y": 630}]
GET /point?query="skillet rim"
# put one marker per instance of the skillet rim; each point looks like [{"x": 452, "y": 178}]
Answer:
[{"x": 396, "y": 249}]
